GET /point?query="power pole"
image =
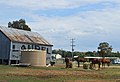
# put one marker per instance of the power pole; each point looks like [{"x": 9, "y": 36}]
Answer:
[{"x": 72, "y": 45}]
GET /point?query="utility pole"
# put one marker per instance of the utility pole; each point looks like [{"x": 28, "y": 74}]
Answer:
[{"x": 72, "y": 45}]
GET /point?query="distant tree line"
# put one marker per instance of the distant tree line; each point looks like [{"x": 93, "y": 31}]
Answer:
[
  {"x": 76, "y": 53},
  {"x": 84, "y": 54},
  {"x": 21, "y": 24}
]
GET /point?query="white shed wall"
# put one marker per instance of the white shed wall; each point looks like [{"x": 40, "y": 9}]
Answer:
[{"x": 16, "y": 50}]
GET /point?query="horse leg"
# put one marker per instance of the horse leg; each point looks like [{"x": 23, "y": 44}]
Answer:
[
  {"x": 67, "y": 65},
  {"x": 78, "y": 64},
  {"x": 108, "y": 64},
  {"x": 102, "y": 64},
  {"x": 94, "y": 66},
  {"x": 99, "y": 66}
]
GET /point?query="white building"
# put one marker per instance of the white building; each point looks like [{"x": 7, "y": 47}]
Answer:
[{"x": 57, "y": 56}]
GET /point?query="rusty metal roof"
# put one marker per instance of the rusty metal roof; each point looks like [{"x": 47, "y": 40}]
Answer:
[{"x": 18, "y": 35}]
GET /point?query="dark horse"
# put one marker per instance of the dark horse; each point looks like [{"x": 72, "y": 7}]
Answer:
[
  {"x": 78, "y": 59},
  {"x": 95, "y": 61}
]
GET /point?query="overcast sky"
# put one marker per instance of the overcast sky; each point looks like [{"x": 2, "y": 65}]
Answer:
[{"x": 89, "y": 22}]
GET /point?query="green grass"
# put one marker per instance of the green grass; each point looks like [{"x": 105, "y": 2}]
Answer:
[{"x": 57, "y": 74}]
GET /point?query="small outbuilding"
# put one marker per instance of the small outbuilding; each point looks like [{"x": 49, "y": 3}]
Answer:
[
  {"x": 13, "y": 41},
  {"x": 56, "y": 56}
]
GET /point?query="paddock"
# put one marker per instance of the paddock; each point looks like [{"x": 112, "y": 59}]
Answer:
[{"x": 58, "y": 73}]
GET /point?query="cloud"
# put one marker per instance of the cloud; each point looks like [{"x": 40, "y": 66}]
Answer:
[
  {"x": 101, "y": 21},
  {"x": 50, "y": 4},
  {"x": 41, "y": 4},
  {"x": 87, "y": 28},
  {"x": 96, "y": 24}
]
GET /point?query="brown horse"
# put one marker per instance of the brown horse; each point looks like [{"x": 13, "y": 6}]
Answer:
[
  {"x": 105, "y": 61},
  {"x": 95, "y": 61},
  {"x": 78, "y": 59},
  {"x": 68, "y": 63}
]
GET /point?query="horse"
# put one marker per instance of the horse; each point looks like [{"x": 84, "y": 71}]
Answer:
[
  {"x": 95, "y": 61},
  {"x": 78, "y": 59},
  {"x": 68, "y": 63},
  {"x": 105, "y": 61}
]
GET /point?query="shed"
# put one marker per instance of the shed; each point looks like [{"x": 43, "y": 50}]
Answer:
[{"x": 12, "y": 41}]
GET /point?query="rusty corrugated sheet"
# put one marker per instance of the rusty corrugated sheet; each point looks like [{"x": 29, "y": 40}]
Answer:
[{"x": 23, "y": 36}]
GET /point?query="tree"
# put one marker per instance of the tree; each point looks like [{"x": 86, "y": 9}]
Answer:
[
  {"x": 21, "y": 24},
  {"x": 104, "y": 49}
]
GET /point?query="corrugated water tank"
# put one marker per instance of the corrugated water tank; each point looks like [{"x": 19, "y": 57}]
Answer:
[{"x": 34, "y": 58}]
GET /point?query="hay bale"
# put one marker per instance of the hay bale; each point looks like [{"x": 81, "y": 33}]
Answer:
[
  {"x": 86, "y": 65},
  {"x": 74, "y": 64}
]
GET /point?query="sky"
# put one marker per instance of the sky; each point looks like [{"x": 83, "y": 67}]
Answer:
[{"x": 88, "y": 22}]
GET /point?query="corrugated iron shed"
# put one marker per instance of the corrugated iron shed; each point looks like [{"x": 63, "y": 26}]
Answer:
[{"x": 17, "y": 35}]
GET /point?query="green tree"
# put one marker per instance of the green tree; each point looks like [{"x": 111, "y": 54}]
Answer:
[
  {"x": 104, "y": 49},
  {"x": 21, "y": 24}
]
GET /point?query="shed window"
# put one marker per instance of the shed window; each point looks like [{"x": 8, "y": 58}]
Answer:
[
  {"x": 13, "y": 47},
  {"x": 48, "y": 51}
]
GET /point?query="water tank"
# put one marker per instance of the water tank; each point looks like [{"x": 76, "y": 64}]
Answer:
[{"x": 34, "y": 57}]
